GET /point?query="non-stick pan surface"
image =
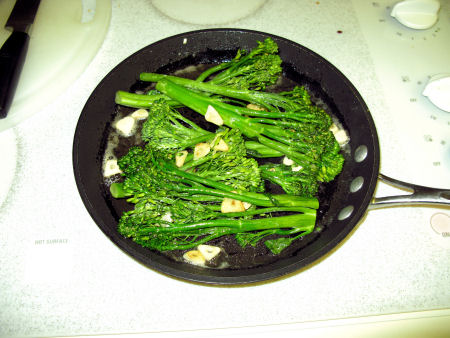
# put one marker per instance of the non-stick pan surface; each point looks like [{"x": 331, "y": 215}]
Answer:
[{"x": 343, "y": 202}]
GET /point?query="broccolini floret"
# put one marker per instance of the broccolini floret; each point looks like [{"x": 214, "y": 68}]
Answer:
[{"x": 257, "y": 69}]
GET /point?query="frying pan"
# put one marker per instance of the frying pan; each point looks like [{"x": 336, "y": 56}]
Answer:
[{"x": 343, "y": 202}]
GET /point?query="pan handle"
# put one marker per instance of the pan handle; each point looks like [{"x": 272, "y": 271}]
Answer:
[{"x": 419, "y": 195}]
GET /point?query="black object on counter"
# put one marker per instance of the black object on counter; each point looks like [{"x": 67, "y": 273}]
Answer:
[{"x": 14, "y": 50}]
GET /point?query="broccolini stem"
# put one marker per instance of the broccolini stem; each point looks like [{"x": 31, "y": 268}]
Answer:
[
  {"x": 215, "y": 192},
  {"x": 221, "y": 66},
  {"x": 117, "y": 190},
  {"x": 256, "y": 149},
  {"x": 297, "y": 115},
  {"x": 299, "y": 222},
  {"x": 268, "y": 211},
  {"x": 141, "y": 100},
  {"x": 292, "y": 154},
  {"x": 254, "y": 97}
]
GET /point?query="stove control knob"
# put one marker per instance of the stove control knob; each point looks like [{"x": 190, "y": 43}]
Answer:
[
  {"x": 438, "y": 91},
  {"x": 417, "y": 14}
]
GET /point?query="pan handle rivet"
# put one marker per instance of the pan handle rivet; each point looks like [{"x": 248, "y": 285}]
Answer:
[
  {"x": 356, "y": 184},
  {"x": 345, "y": 212},
  {"x": 361, "y": 153}
]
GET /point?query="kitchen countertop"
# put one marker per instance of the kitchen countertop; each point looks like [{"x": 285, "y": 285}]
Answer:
[{"x": 61, "y": 276}]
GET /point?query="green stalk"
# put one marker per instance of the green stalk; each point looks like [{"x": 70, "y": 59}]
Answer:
[
  {"x": 290, "y": 153},
  {"x": 117, "y": 190},
  {"x": 256, "y": 149},
  {"x": 220, "y": 193},
  {"x": 141, "y": 100},
  {"x": 193, "y": 141},
  {"x": 269, "y": 210},
  {"x": 300, "y": 222},
  {"x": 257, "y": 97},
  {"x": 203, "y": 76}
]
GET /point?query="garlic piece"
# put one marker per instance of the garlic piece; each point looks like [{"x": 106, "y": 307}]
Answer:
[
  {"x": 334, "y": 128},
  {"x": 194, "y": 257},
  {"x": 126, "y": 125},
  {"x": 246, "y": 205},
  {"x": 297, "y": 168},
  {"x": 255, "y": 107},
  {"x": 231, "y": 205},
  {"x": 111, "y": 168},
  {"x": 201, "y": 150},
  {"x": 167, "y": 217},
  {"x": 222, "y": 146},
  {"x": 180, "y": 158},
  {"x": 140, "y": 114},
  {"x": 287, "y": 161},
  {"x": 208, "y": 251},
  {"x": 340, "y": 135},
  {"x": 213, "y": 116}
]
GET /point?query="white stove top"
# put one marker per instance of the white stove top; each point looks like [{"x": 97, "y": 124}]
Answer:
[{"x": 60, "y": 275}]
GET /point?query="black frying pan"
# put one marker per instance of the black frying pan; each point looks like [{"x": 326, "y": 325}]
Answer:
[{"x": 343, "y": 202}]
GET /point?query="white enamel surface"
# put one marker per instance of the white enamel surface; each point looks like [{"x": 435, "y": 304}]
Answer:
[
  {"x": 61, "y": 276},
  {"x": 8, "y": 162},
  {"x": 58, "y": 52},
  {"x": 438, "y": 91},
  {"x": 417, "y": 14},
  {"x": 205, "y": 12}
]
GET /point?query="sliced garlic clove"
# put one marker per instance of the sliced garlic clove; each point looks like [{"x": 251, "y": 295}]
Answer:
[
  {"x": 416, "y": 14},
  {"x": 201, "y": 150},
  {"x": 180, "y": 158},
  {"x": 213, "y": 116},
  {"x": 246, "y": 205},
  {"x": 334, "y": 128},
  {"x": 167, "y": 217},
  {"x": 126, "y": 125},
  {"x": 140, "y": 114},
  {"x": 222, "y": 146},
  {"x": 297, "y": 168},
  {"x": 231, "y": 205},
  {"x": 287, "y": 161},
  {"x": 208, "y": 251},
  {"x": 341, "y": 137},
  {"x": 194, "y": 257},
  {"x": 111, "y": 168},
  {"x": 255, "y": 107},
  {"x": 438, "y": 91}
]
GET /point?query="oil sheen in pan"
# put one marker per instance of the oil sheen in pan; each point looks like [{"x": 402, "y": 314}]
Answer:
[{"x": 233, "y": 256}]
